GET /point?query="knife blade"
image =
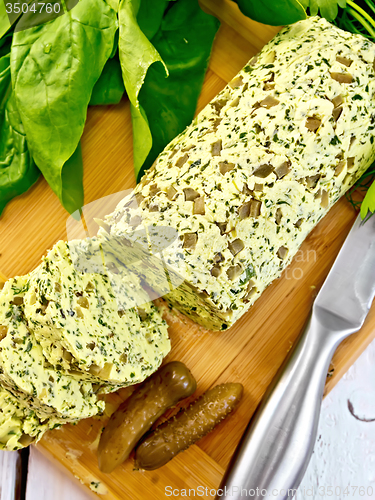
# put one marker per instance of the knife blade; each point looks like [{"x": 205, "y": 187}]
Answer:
[
  {"x": 349, "y": 289},
  {"x": 276, "y": 447}
]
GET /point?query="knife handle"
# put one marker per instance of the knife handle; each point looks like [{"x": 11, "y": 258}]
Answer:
[{"x": 276, "y": 447}]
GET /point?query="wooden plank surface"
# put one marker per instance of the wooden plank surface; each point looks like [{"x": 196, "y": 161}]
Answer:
[
  {"x": 9, "y": 486},
  {"x": 250, "y": 352}
]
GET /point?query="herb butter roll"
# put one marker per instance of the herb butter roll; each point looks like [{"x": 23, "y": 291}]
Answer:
[
  {"x": 19, "y": 425},
  {"x": 25, "y": 372},
  {"x": 91, "y": 320},
  {"x": 263, "y": 162}
]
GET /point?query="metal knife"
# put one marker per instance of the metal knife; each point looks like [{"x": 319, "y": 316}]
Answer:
[{"x": 277, "y": 445}]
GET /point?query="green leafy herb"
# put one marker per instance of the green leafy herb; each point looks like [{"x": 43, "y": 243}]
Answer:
[
  {"x": 137, "y": 54},
  {"x": 358, "y": 20},
  {"x": 169, "y": 103},
  {"x": 36, "y": 15},
  {"x": 109, "y": 89},
  {"x": 4, "y": 19},
  {"x": 72, "y": 180},
  {"x": 335, "y": 140},
  {"x": 114, "y": 4},
  {"x": 9, "y": 20},
  {"x": 362, "y": 186},
  {"x": 368, "y": 204},
  {"x": 19, "y": 290},
  {"x": 274, "y": 12},
  {"x": 150, "y": 16},
  {"x": 5, "y": 44},
  {"x": 17, "y": 169},
  {"x": 327, "y": 8},
  {"x": 54, "y": 69},
  {"x": 5, "y": 80},
  {"x": 249, "y": 273}
]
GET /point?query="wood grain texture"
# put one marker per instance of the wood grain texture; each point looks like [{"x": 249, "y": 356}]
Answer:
[{"x": 250, "y": 352}]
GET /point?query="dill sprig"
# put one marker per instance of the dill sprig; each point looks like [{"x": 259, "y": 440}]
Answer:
[{"x": 362, "y": 186}]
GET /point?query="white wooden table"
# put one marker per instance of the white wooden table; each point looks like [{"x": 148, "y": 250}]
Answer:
[{"x": 343, "y": 462}]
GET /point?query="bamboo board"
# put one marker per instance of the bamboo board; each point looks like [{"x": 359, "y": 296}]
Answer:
[{"x": 250, "y": 352}]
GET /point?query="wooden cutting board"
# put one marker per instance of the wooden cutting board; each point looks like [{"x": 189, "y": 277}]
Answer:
[{"x": 250, "y": 352}]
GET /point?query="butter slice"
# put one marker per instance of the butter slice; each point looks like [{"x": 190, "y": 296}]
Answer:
[
  {"x": 19, "y": 425},
  {"x": 91, "y": 323},
  {"x": 25, "y": 372}
]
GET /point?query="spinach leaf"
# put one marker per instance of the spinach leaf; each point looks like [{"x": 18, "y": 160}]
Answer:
[
  {"x": 5, "y": 44},
  {"x": 17, "y": 169},
  {"x": 137, "y": 54},
  {"x": 327, "y": 8},
  {"x": 72, "y": 180},
  {"x": 109, "y": 89},
  {"x": 150, "y": 16},
  {"x": 35, "y": 15},
  {"x": 114, "y": 4},
  {"x": 4, "y": 19},
  {"x": 8, "y": 20},
  {"x": 54, "y": 69},
  {"x": 273, "y": 12},
  {"x": 169, "y": 103},
  {"x": 5, "y": 79}
]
